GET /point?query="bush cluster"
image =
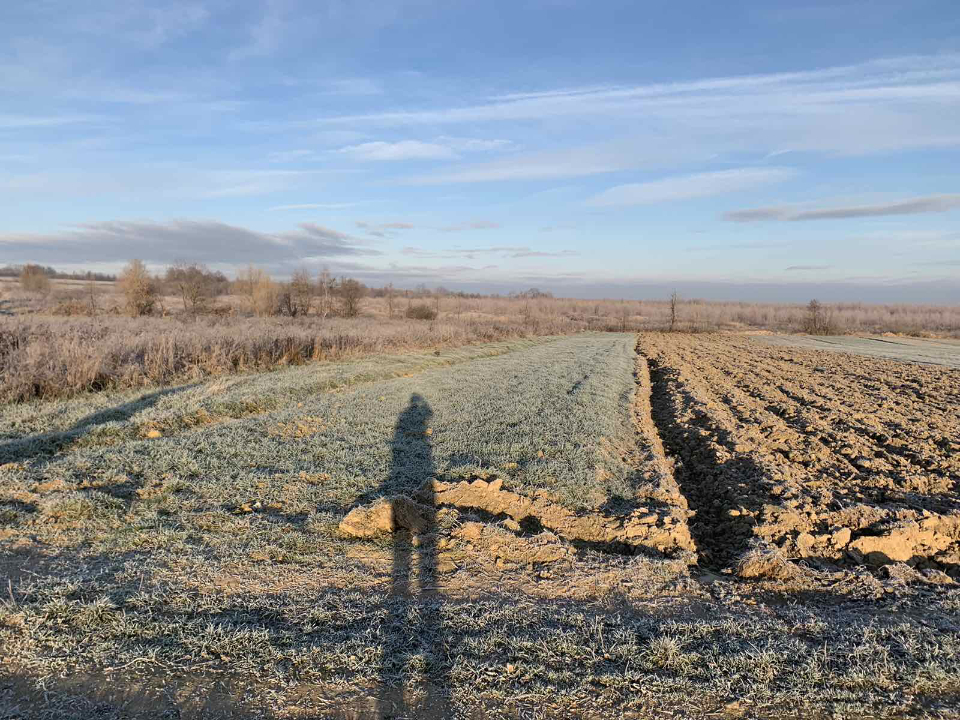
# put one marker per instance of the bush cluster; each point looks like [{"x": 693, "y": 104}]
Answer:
[{"x": 421, "y": 311}]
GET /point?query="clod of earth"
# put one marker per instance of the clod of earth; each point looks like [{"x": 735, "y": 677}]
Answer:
[
  {"x": 386, "y": 516},
  {"x": 663, "y": 530},
  {"x": 502, "y": 546},
  {"x": 933, "y": 538},
  {"x": 765, "y": 561}
]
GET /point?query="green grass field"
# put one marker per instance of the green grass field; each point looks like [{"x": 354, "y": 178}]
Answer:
[{"x": 175, "y": 553}]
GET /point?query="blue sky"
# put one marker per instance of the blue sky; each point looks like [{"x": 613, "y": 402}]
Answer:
[{"x": 759, "y": 150}]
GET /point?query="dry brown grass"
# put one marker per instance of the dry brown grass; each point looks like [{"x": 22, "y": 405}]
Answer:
[
  {"x": 48, "y": 349},
  {"x": 44, "y": 356}
]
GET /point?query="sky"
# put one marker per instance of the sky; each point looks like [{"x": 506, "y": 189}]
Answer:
[{"x": 737, "y": 150}]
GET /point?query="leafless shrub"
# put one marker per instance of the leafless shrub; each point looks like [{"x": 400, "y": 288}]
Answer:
[
  {"x": 34, "y": 279},
  {"x": 389, "y": 294},
  {"x": 195, "y": 284},
  {"x": 421, "y": 311},
  {"x": 819, "y": 320},
  {"x": 301, "y": 292},
  {"x": 261, "y": 295},
  {"x": 350, "y": 292},
  {"x": 90, "y": 291},
  {"x": 72, "y": 307},
  {"x": 674, "y": 301},
  {"x": 139, "y": 289}
]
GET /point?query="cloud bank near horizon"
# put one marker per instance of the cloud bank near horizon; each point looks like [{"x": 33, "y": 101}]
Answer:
[{"x": 476, "y": 268}]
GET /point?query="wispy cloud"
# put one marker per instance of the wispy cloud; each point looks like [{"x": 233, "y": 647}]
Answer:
[
  {"x": 690, "y": 186},
  {"x": 877, "y": 106},
  {"x": 388, "y": 226},
  {"x": 286, "y": 156},
  {"x": 143, "y": 24},
  {"x": 168, "y": 180},
  {"x": 241, "y": 183},
  {"x": 403, "y": 150},
  {"x": 908, "y": 241},
  {"x": 905, "y": 78},
  {"x": 952, "y": 262},
  {"x": 265, "y": 35},
  {"x": 315, "y": 206},
  {"x": 353, "y": 86},
  {"x": 913, "y": 206},
  {"x": 475, "y": 225},
  {"x": 794, "y": 268},
  {"x": 383, "y": 230},
  {"x": 441, "y": 148},
  {"x": 14, "y": 122},
  {"x": 544, "y": 253},
  {"x": 551, "y": 164},
  {"x": 472, "y": 145},
  {"x": 470, "y": 253}
]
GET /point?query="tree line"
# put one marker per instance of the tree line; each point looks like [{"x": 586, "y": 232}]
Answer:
[
  {"x": 41, "y": 272},
  {"x": 198, "y": 287}
]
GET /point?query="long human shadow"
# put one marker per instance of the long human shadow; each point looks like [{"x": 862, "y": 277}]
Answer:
[
  {"x": 47, "y": 444},
  {"x": 414, "y": 627}
]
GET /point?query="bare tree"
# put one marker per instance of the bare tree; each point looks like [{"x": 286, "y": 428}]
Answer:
[
  {"x": 350, "y": 292},
  {"x": 260, "y": 292},
  {"x": 324, "y": 286},
  {"x": 195, "y": 284},
  {"x": 674, "y": 302},
  {"x": 139, "y": 288},
  {"x": 819, "y": 320},
  {"x": 246, "y": 282},
  {"x": 301, "y": 293},
  {"x": 92, "y": 296},
  {"x": 33, "y": 278},
  {"x": 266, "y": 296},
  {"x": 388, "y": 293}
]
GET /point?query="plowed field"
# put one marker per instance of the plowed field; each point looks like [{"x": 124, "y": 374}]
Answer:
[{"x": 823, "y": 456}]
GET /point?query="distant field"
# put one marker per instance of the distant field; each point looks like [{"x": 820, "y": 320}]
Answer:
[
  {"x": 584, "y": 526},
  {"x": 924, "y": 351},
  {"x": 77, "y": 338}
]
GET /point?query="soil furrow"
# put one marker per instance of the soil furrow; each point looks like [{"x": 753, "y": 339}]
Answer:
[{"x": 766, "y": 457}]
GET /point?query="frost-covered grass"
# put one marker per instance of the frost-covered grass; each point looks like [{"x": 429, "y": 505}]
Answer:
[
  {"x": 149, "y": 647},
  {"x": 164, "y": 549},
  {"x": 111, "y": 416},
  {"x": 535, "y": 411}
]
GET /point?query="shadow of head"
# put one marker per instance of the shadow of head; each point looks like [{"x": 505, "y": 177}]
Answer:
[
  {"x": 411, "y": 451},
  {"x": 416, "y": 416}
]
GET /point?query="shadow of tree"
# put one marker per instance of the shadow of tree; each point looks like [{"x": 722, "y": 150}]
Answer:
[{"x": 48, "y": 444}]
